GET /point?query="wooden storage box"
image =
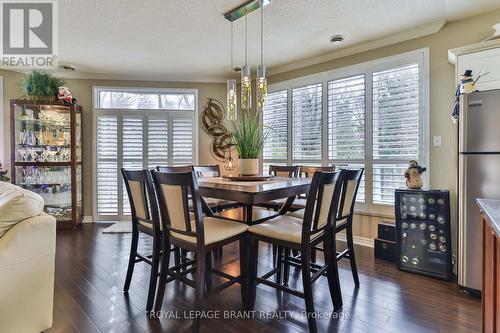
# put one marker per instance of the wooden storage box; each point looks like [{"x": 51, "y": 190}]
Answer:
[
  {"x": 386, "y": 231},
  {"x": 385, "y": 249}
]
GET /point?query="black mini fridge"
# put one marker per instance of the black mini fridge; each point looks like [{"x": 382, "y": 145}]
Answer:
[{"x": 423, "y": 232}]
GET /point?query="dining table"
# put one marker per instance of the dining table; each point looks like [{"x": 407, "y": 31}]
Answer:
[{"x": 252, "y": 193}]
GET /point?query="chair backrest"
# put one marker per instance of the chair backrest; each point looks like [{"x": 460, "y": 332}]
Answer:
[
  {"x": 207, "y": 171},
  {"x": 141, "y": 195},
  {"x": 174, "y": 191},
  {"x": 284, "y": 170},
  {"x": 322, "y": 204},
  {"x": 308, "y": 171},
  {"x": 172, "y": 169},
  {"x": 350, "y": 186}
]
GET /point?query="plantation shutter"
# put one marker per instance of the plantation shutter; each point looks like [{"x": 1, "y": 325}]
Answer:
[
  {"x": 132, "y": 136},
  {"x": 107, "y": 165},
  {"x": 346, "y": 118},
  {"x": 138, "y": 129},
  {"x": 396, "y": 128},
  {"x": 157, "y": 141},
  {"x": 346, "y": 125},
  {"x": 182, "y": 139},
  {"x": 307, "y": 122},
  {"x": 275, "y": 120}
]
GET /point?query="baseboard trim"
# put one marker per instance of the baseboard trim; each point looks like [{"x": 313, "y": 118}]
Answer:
[{"x": 362, "y": 241}]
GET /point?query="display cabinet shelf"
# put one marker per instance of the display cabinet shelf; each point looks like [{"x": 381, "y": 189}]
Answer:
[{"x": 46, "y": 146}]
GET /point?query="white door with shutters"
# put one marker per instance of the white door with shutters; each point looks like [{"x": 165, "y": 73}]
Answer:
[{"x": 130, "y": 137}]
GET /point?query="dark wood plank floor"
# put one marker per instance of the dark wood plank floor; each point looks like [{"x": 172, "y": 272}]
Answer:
[{"x": 91, "y": 266}]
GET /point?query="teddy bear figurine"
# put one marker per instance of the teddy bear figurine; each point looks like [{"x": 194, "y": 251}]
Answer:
[
  {"x": 412, "y": 175},
  {"x": 64, "y": 95}
]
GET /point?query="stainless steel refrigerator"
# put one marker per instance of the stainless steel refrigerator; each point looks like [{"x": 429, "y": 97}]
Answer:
[{"x": 479, "y": 177}]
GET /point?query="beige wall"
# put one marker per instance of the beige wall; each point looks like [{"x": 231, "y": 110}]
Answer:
[
  {"x": 11, "y": 90},
  {"x": 82, "y": 91},
  {"x": 443, "y": 163}
]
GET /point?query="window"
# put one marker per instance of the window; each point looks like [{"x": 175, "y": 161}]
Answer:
[
  {"x": 275, "y": 121},
  {"x": 372, "y": 115},
  {"x": 395, "y": 128},
  {"x": 346, "y": 125},
  {"x": 143, "y": 100},
  {"x": 134, "y": 133},
  {"x": 307, "y": 123}
]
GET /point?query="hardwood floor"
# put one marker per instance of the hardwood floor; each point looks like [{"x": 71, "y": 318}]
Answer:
[{"x": 91, "y": 267}]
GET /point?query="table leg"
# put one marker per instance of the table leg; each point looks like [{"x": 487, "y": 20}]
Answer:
[
  {"x": 286, "y": 206},
  {"x": 248, "y": 214},
  {"x": 206, "y": 209}
]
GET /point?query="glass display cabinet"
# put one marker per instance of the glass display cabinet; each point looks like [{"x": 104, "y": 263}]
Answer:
[
  {"x": 423, "y": 232},
  {"x": 46, "y": 156}
]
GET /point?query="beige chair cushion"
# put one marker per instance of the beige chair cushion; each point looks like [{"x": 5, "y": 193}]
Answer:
[
  {"x": 137, "y": 192},
  {"x": 349, "y": 196},
  {"x": 215, "y": 230},
  {"x": 17, "y": 204},
  {"x": 300, "y": 215},
  {"x": 282, "y": 174},
  {"x": 150, "y": 225},
  {"x": 282, "y": 227}
]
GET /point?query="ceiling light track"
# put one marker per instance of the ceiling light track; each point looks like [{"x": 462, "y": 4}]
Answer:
[{"x": 245, "y": 9}]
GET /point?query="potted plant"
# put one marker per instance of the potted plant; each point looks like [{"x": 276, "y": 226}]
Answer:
[
  {"x": 40, "y": 87},
  {"x": 248, "y": 136}
]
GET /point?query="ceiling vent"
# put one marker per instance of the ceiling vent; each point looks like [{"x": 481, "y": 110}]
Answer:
[{"x": 336, "y": 39}]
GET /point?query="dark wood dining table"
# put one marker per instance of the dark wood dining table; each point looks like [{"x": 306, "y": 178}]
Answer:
[{"x": 250, "y": 194}]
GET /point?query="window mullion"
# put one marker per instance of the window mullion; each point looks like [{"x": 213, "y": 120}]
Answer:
[
  {"x": 324, "y": 132},
  {"x": 289, "y": 127},
  {"x": 120, "y": 165},
  {"x": 145, "y": 141},
  {"x": 369, "y": 138},
  {"x": 170, "y": 141}
]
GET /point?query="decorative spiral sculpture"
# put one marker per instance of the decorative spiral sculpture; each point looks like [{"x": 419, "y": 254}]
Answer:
[{"x": 212, "y": 117}]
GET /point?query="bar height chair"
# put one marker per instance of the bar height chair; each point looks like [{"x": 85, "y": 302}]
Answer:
[
  {"x": 198, "y": 234},
  {"x": 344, "y": 219},
  {"x": 302, "y": 235},
  {"x": 288, "y": 171},
  {"x": 211, "y": 171},
  {"x": 144, "y": 220}
]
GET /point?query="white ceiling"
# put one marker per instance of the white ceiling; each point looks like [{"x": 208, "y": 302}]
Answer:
[{"x": 188, "y": 40}]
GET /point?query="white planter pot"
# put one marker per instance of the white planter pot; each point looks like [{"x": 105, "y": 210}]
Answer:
[{"x": 249, "y": 166}]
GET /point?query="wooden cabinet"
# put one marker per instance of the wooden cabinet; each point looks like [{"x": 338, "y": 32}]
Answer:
[
  {"x": 491, "y": 279},
  {"x": 480, "y": 58},
  {"x": 46, "y": 152}
]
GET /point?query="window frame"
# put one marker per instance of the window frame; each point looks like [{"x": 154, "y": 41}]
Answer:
[
  {"x": 143, "y": 113},
  {"x": 420, "y": 56}
]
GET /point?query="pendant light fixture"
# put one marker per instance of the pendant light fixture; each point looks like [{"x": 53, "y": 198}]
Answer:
[
  {"x": 261, "y": 80},
  {"x": 232, "y": 98},
  {"x": 246, "y": 79}
]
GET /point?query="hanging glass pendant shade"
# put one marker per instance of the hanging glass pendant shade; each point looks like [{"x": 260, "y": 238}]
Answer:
[
  {"x": 261, "y": 80},
  {"x": 232, "y": 100},
  {"x": 261, "y": 87},
  {"x": 246, "y": 88}
]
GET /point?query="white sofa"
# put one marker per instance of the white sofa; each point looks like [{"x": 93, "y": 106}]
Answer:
[{"x": 27, "y": 262}]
